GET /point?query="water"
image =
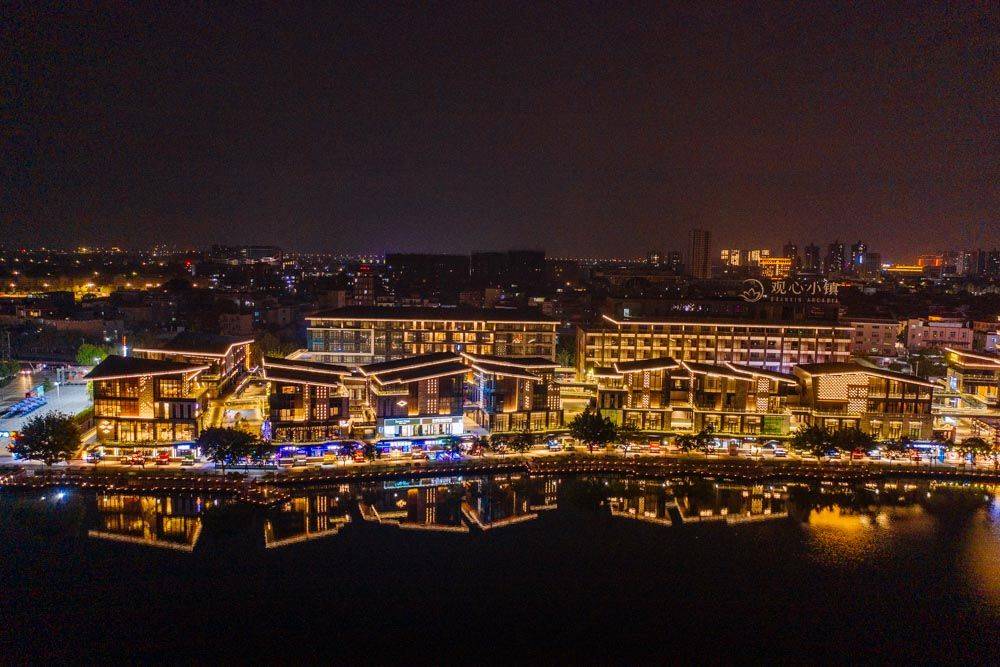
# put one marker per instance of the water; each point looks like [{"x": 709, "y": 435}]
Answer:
[{"x": 508, "y": 568}]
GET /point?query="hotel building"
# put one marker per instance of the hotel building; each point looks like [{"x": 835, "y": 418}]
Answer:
[
  {"x": 227, "y": 358},
  {"x": 308, "y": 400},
  {"x": 772, "y": 346},
  {"x": 146, "y": 401},
  {"x": 974, "y": 373},
  {"x": 363, "y": 335},
  {"x": 514, "y": 394},
  {"x": 885, "y": 404}
]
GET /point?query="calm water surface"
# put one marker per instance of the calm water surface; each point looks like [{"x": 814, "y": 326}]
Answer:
[{"x": 508, "y": 568}]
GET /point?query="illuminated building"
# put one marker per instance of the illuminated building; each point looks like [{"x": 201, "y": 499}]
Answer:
[
  {"x": 227, "y": 358},
  {"x": 771, "y": 345},
  {"x": 418, "y": 396},
  {"x": 775, "y": 267},
  {"x": 730, "y": 257},
  {"x": 885, "y": 404},
  {"x": 666, "y": 396},
  {"x": 835, "y": 261},
  {"x": 937, "y": 332},
  {"x": 811, "y": 259},
  {"x": 146, "y": 401},
  {"x": 700, "y": 256},
  {"x": 166, "y": 522},
  {"x": 755, "y": 255},
  {"x": 974, "y": 373},
  {"x": 308, "y": 400},
  {"x": 514, "y": 394},
  {"x": 357, "y": 335},
  {"x": 874, "y": 336}
]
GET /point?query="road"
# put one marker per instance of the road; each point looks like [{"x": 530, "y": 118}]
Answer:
[{"x": 70, "y": 399}]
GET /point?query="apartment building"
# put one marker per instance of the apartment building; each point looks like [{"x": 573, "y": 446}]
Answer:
[
  {"x": 938, "y": 332},
  {"x": 875, "y": 337}
]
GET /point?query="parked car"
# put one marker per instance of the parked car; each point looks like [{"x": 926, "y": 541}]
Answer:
[{"x": 163, "y": 459}]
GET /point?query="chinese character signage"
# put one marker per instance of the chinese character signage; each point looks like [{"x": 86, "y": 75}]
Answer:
[{"x": 754, "y": 290}]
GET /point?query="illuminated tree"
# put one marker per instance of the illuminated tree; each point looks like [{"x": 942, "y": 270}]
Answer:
[{"x": 592, "y": 429}]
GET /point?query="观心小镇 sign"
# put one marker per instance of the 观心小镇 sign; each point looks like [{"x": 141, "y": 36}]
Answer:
[{"x": 755, "y": 290}]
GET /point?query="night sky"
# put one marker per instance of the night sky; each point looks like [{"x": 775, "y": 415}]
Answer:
[{"x": 587, "y": 129}]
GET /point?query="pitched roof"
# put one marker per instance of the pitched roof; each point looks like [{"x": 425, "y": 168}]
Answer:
[
  {"x": 427, "y": 372},
  {"x": 115, "y": 366},
  {"x": 606, "y": 372},
  {"x": 763, "y": 372},
  {"x": 520, "y": 362},
  {"x": 503, "y": 369},
  {"x": 196, "y": 342},
  {"x": 301, "y": 364},
  {"x": 654, "y": 364},
  {"x": 849, "y": 367},
  {"x": 713, "y": 369},
  {"x": 300, "y": 376},
  {"x": 408, "y": 362},
  {"x": 442, "y": 313}
]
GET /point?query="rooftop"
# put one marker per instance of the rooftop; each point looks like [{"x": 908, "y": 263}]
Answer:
[
  {"x": 301, "y": 376},
  {"x": 408, "y": 362},
  {"x": 847, "y": 367},
  {"x": 441, "y": 313},
  {"x": 115, "y": 366},
  {"x": 403, "y": 375},
  {"x": 199, "y": 343},
  {"x": 299, "y": 364},
  {"x": 654, "y": 364},
  {"x": 520, "y": 362}
]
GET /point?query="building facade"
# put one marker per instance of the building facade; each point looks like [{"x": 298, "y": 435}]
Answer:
[
  {"x": 307, "y": 401},
  {"x": 142, "y": 402},
  {"x": 885, "y": 404},
  {"x": 514, "y": 394},
  {"x": 937, "y": 332},
  {"x": 227, "y": 358},
  {"x": 874, "y": 337},
  {"x": 357, "y": 336},
  {"x": 768, "y": 345},
  {"x": 417, "y": 397},
  {"x": 976, "y": 374}
]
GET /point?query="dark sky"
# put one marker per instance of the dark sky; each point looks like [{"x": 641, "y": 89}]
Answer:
[{"x": 588, "y": 129}]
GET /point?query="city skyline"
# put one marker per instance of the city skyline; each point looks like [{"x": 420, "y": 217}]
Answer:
[{"x": 467, "y": 128}]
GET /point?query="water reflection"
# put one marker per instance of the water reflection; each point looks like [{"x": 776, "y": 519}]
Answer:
[
  {"x": 842, "y": 522},
  {"x": 171, "y": 522},
  {"x": 308, "y": 516}
]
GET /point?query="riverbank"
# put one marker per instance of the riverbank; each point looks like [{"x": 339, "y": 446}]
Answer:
[{"x": 270, "y": 487}]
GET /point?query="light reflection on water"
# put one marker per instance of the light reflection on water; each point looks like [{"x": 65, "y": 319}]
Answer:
[{"x": 842, "y": 524}]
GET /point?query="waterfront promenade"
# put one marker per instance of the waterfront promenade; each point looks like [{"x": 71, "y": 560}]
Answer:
[{"x": 269, "y": 486}]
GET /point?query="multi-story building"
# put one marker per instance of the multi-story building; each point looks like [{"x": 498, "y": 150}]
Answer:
[
  {"x": 662, "y": 395},
  {"x": 357, "y": 335},
  {"x": 420, "y": 396},
  {"x": 227, "y": 358},
  {"x": 307, "y": 401},
  {"x": 937, "y": 332},
  {"x": 974, "y": 373},
  {"x": 142, "y": 402},
  {"x": 514, "y": 394},
  {"x": 811, "y": 262},
  {"x": 700, "y": 255},
  {"x": 768, "y": 345},
  {"x": 986, "y": 334},
  {"x": 885, "y": 404},
  {"x": 874, "y": 336},
  {"x": 775, "y": 267}
]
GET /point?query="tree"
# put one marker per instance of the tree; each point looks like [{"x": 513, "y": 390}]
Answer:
[
  {"x": 816, "y": 440},
  {"x": 849, "y": 439},
  {"x": 566, "y": 352},
  {"x": 592, "y": 429},
  {"x": 685, "y": 442},
  {"x": 703, "y": 438},
  {"x": 226, "y": 446},
  {"x": 89, "y": 354},
  {"x": 49, "y": 438},
  {"x": 370, "y": 451},
  {"x": 522, "y": 441},
  {"x": 498, "y": 444},
  {"x": 976, "y": 446}
]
